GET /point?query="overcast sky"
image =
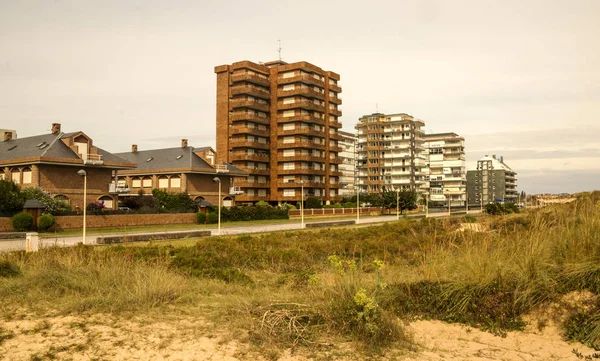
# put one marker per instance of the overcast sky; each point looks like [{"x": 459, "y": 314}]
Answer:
[{"x": 519, "y": 78}]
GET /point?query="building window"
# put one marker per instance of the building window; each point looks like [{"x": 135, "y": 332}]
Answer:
[
  {"x": 289, "y": 192},
  {"x": 175, "y": 182},
  {"x": 288, "y": 113},
  {"x": 15, "y": 175},
  {"x": 262, "y": 192},
  {"x": 288, "y": 87},
  {"x": 289, "y": 126},
  {"x": 289, "y": 100},
  {"x": 27, "y": 176},
  {"x": 163, "y": 182},
  {"x": 147, "y": 182},
  {"x": 2, "y": 176},
  {"x": 288, "y": 140},
  {"x": 63, "y": 200},
  {"x": 107, "y": 201},
  {"x": 136, "y": 183},
  {"x": 288, "y": 153},
  {"x": 288, "y": 166}
]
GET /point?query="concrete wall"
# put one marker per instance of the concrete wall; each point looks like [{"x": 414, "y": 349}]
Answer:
[
  {"x": 325, "y": 212},
  {"x": 124, "y": 220}
]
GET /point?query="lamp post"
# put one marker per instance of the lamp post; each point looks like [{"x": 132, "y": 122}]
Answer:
[
  {"x": 301, "y": 204},
  {"x": 397, "y": 204},
  {"x": 83, "y": 173},
  {"x": 357, "y": 204},
  {"x": 216, "y": 179},
  {"x": 426, "y": 205}
]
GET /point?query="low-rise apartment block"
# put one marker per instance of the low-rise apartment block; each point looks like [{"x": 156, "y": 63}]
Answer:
[
  {"x": 390, "y": 153},
  {"x": 445, "y": 179},
  {"x": 280, "y": 122},
  {"x": 491, "y": 181}
]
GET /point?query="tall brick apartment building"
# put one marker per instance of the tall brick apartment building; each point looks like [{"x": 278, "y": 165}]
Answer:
[
  {"x": 51, "y": 162},
  {"x": 280, "y": 122}
]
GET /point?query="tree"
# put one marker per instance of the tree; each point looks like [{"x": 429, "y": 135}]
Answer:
[
  {"x": 404, "y": 200},
  {"x": 52, "y": 205},
  {"x": 11, "y": 198},
  {"x": 313, "y": 203}
]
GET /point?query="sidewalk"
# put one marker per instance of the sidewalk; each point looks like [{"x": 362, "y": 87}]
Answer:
[{"x": 48, "y": 240}]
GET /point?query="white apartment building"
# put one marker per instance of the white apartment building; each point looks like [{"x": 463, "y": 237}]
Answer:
[
  {"x": 348, "y": 165},
  {"x": 445, "y": 179},
  {"x": 390, "y": 153}
]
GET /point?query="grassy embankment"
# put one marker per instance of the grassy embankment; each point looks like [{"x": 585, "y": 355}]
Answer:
[{"x": 291, "y": 289}]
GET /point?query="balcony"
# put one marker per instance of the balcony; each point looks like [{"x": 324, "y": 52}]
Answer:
[
  {"x": 303, "y": 118},
  {"x": 118, "y": 189},
  {"x": 247, "y": 198},
  {"x": 302, "y": 131},
  {"x": 335, "y": 173},
  {"x": 335, "y": 88},
  {"x": 253, "y": 90},
  {"x": 335, "y": 100},
  {"x": 335, "y": 148},
  {"x": 335, "y": 185},
  {"x": 294, "y": 184},
  {"x": 246, "y": 184},
  {"x": 307, "y": 158},
  {"x": 303, "y": 104},
  {"x": 92, "y": 159},
  {"x": 306, "y": 171},
  {"x": 336, "y": 112},
  {"x": 335, "y": 124},
  {"x": 237, "y": 116},
  {"x": 219, "y": 168},
  {"x": 246, "y": 130},
  {"x": 336, "y": 160},
  {"x": 302, "y": 78},
  {"x": 250, "y": 78},
  {"x": 307, "y": 92},
  {"x": 254, "y": 157},
  {"x": 243, "y": 103},
  {"x": 234, "y": 143},
  {"x": 300, "y": 144},
  {"x": 257, "y": 171},
  {"x": 234, "y": 191}
]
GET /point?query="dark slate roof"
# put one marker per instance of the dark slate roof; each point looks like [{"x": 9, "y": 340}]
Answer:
[
  {"x": 33, "y": 204},
  {"x": 172, "y": 158},
  {"x": 204, "y": 204},
  {"x": 46, "y": 145}
]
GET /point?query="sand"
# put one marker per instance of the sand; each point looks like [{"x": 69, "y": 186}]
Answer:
[{"x": 104, "y": 337}]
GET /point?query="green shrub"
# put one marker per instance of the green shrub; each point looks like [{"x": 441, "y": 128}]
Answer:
[
  {"x": 262, "y": 204},
  {"x": 313, "y": 203},
  {"x": 9, "y": 269},
  {"x": 201, "y": 217},
  {"x": 350, "y": 205},
  {"x": 22, "y": 222},
  {"x": 45, "y": 221},
  {"x": 470, "y": 219},
  {"x": 212, "y": 218}
]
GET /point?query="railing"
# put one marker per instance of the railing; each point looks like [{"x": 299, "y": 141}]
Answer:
[
  {"x": 94, "y": 159},
  {"x": 221, "y": 168}
]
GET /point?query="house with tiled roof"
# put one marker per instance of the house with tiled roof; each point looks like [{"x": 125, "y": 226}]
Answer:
[
  {"x": 51, "y": 162},
  {"x": 180, "y": 169}
]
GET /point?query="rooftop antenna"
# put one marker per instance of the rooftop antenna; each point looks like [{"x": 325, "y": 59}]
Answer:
[{"x": 279, "y": 49}]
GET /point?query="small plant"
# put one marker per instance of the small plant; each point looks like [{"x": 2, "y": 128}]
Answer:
[
  {"x": 9, "y": 269},
  {"x": 5, "y": 335},
  {"x": 201, "y": 217},
  {"x": 22, "y": 222},
  {"x": 470, "y": 218},
  {"x": 45, "y": 221}
]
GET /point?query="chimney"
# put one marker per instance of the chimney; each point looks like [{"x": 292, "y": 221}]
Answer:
[
  {"x": 502, "y": 159},
  {"x": 55, "y": 128},
  {"x": 494, "y": 156},
  {"x": 184, "y": 143},
  {"x": 7, "y": 136},
  {"x": 133, "y": 148}
]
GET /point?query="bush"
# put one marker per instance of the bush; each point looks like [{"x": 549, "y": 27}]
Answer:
[
  {"x": 22, "y": 222},
  {"x": 212, "y": 218},
  {"x": 237, "y": 214},
  {"x": 45, "y": 222},
  {"x": 201, "y": 217},
  {"x": 313, "y": 203},
  {"x": 174, "y": 202},
  {"x": 262, "y": 204},
  {"x": 497, "y": 208},
  {"x": 470, "y": 218}
]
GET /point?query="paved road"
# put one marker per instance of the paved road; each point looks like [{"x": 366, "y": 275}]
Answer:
[{"x": 69, "y": 241}]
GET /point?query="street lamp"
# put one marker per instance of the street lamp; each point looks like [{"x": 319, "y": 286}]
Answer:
[
  {"x": 397, "y": 203},
  {"x": 83, "y": 173},
  {"x": 357, "y": 204},
  {"x": 216, "y": 179},
  {"x": 301, "y": 203}
]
